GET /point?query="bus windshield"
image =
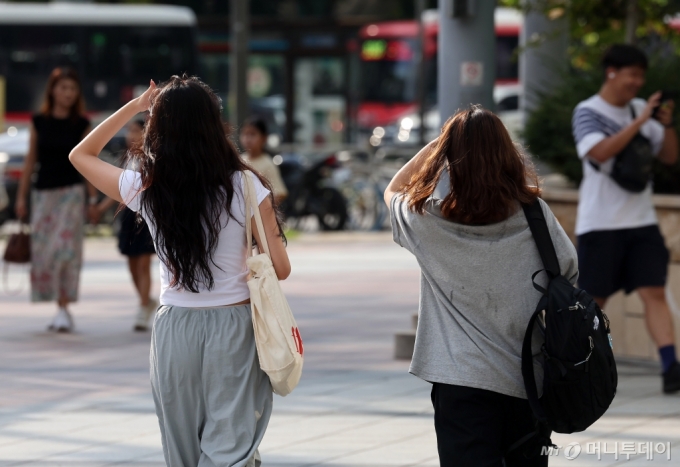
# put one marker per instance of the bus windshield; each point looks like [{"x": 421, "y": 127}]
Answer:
[
  {"x": 111, "y": 60},
  {"x": 390, "y": 74}
]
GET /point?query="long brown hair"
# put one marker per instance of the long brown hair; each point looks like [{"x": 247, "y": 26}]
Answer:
[
  {"x": 78, "y": 107},
  {"x": 488, "y": 174}
]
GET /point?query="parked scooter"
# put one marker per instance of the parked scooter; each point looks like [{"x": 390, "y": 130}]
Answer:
[{"x": 310, "y": 192}]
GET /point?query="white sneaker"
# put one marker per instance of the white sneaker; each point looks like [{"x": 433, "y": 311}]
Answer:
[
  {"x": 144, "y": 314},
  {"x": 63, "y": 322}
]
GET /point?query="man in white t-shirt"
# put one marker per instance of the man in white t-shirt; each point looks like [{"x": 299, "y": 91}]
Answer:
[{"x": 619, "y": 242}]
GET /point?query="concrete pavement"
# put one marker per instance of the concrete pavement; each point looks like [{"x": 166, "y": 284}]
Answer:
[{"x": 83, "y": 400}]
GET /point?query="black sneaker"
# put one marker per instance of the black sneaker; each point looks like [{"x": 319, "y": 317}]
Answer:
[{"x": 671, "y": 379}]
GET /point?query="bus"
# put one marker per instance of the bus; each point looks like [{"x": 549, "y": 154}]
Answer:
[
  {"x": 116, "y": 49},
  {"x": 388, "y": 109}
]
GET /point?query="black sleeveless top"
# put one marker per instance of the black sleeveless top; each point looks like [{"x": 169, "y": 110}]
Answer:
[{"x": 56, "y": 138}]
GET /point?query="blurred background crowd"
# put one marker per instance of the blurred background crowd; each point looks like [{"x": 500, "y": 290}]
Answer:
[{"x": 347, "y": 89}]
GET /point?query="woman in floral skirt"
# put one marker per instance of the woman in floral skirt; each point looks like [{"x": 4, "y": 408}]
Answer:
[{"x": 57, "y": 215}]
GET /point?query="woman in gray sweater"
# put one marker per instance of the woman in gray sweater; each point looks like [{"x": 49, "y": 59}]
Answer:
[{"x": 476, "y": 255}]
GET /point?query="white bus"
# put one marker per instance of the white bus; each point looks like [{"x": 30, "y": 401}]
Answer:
[{"x": 115, "y": 48}]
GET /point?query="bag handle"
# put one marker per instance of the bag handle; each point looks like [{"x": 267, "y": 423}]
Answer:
[
  {"x": 539, "y": 229},
  {"x": 251, "y": 203},
  {"x": 542, "y": 429}
]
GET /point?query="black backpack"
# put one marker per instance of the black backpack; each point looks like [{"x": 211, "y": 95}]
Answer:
[
  {"x": 580, "y": 375},
  {"x": 633, "y": 166}
]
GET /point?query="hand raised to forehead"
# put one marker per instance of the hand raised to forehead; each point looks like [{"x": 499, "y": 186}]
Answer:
[{"x": 144, "y": 101}]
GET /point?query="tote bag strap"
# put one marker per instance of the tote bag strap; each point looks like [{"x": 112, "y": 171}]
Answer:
[{"x": 251, "y": 204}]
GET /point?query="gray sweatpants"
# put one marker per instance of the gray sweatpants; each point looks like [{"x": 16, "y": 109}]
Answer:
[{"x": 212, "y": 399}]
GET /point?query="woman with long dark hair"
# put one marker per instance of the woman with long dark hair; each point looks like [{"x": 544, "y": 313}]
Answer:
[
  {"x": 57, "y": 196},
  {"x": 477, "y": 255},
  {"x": 212, "y": 399}
]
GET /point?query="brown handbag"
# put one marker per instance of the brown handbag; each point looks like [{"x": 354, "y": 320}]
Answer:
[{"x": 19, "y": 247}]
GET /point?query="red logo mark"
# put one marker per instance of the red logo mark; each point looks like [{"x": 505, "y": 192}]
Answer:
[{"x": 298, "y": 341}]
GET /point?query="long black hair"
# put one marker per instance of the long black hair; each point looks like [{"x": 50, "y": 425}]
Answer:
[{"x": 187, "y": 167}]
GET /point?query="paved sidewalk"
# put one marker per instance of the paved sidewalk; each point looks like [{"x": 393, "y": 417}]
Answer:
[{"x": 83, "y": 400}]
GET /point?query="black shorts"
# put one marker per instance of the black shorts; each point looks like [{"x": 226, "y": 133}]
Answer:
[
  {"x": 134, "y": 239},
  {"x": 610, "y": 260}
]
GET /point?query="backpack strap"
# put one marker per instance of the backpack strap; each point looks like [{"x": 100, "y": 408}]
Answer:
[
  {"x": 594, "y": 164},
  {"x": 542, "y": 432},
  {"x": 541, "y": 234},
  {"x": 528, "y": 365}
]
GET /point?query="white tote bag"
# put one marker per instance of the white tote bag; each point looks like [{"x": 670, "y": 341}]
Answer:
[{"x": 279, "y": 345}]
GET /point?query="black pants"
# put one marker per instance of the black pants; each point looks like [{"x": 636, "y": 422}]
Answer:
[{"x": 475, "y": 428}]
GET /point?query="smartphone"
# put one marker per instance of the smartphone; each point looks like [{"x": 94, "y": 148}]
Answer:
[{"x": 665, "y": 96}]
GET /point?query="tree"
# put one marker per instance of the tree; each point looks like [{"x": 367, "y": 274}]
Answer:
[{"x": 596, "y": 24}]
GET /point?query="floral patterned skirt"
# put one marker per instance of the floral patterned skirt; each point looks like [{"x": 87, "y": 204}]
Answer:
[{"x": 57, "y": 224}]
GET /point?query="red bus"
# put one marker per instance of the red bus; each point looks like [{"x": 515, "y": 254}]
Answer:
[{"x": 389, "y": 75}]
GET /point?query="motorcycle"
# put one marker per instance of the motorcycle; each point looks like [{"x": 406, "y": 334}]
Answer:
[{"x": 311, "y": 193}]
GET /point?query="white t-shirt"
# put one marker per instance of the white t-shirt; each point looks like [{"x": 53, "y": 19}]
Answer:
[
  {"x": 229, "y": 271},
  {"x": 603, "y": 204}
]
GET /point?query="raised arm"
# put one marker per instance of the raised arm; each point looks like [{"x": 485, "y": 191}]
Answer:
[
  {"x": 669, "y": 150},
  {"x": 84, "y": 157},
  {"x": 613, "y": 145},
  {"x": 406, "y": 172}
]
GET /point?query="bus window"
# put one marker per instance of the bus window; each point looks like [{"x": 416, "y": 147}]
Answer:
[
  {"x": 30, "y": 53},
  {"x": 388, "y": 70},
  {"x": 507, "y": 104},
  {"x": 115, "y": 50},
  {"x": 110, "y": 59},
  {"x": 507, "y": 67},
  {"x": 118, "y": 54},
  {"x": 153, "y": 51}
]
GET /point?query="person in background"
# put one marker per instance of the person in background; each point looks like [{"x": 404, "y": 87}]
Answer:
[
  {"x": 619, "y": 242},
  {"x": 476, "y": 255},
  {"x": 135, "y": 242},
  {"x": 254, "y": 139},
  {"x": 57, "y": 196},
  {"x": 213, "y": 401}
]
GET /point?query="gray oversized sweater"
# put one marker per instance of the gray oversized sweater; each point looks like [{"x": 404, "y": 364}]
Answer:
[{"x": 476, "y": 295}]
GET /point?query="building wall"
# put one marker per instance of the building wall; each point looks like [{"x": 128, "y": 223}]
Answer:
[{"x": 299, "y": 45}]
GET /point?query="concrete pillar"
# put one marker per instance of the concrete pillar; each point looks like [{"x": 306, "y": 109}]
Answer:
[
  {"x": 238, "y": 68},
  {"x": 544, "y": 55},
  {"x": 2, "y": 103},
  {"x": 467, "y": 55},
  {"x": 422, "y": 70}
]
